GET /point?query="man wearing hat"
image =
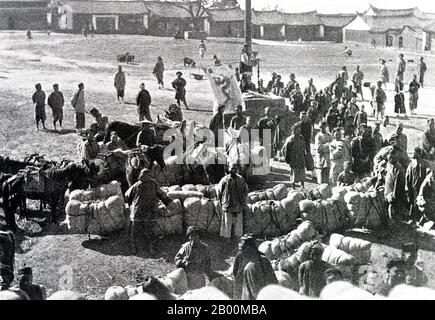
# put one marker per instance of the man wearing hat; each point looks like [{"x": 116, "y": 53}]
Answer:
[
  {"x": 174, "y": 113},
  {"x": 231, "y": 192},
  {"x": 421, "y": 70},
  {"x": 377, "y": 136},
  {"x": 119, "y": 84},
  {"x": 294, "y": 152},
  {"x": 179, "y": 84},
  {"x": 414, "y": 86},
  {"x": 396, "y": 276},
  {"x": 333, "y": 115},
  {"x": 99, "y": 125},
  {"x": 394, "y": 191},
  {"x": 401, "y": 67},
  {"x": 78, "y": 104},
  {"x": 416, "y": 172},
  {"x": 385, "y": 75},
  {"x": 56, "y": 101},
  {"x": 143, "y": 102},
  {"x": 252, "y": 270},
  {"x": 312, "y": 273},
  {"x": 143, "y": 198},
  {"x": 25, "y": 279},
  {"x": 271, "y": 82},
  {"x": 38, "y": 99},
  {"x": 217, "y": 126},
  {"x": 194, "y": 258},
  {"x": 321, "y": 145},
  {"x": 339, "y": 154},
  {"x": 379, "y": 98},
  {"x": 357, "y": 79},
  {"x": 363, "y": 152},
  {"x": 238, "y": 120},
  {"x": 402, "y": 139},
  {"x": 158, "y": 71},
  {"x": 146, "y": 135},
  {"x": 88, "y": 149}
]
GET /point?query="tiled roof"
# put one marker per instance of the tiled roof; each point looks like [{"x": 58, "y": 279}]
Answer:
[
  {"x": 266, "y": 17},
  {"x": 309, "y": 18},
  {"x": 393, "y": 12},
  {"x": 230, "y": 14},
  {"x": 383, "y": 24},
  {"x": 169, "y": 10},
  {"x": 336, "y": 20},
  {"x": 107, "y": 7},
  {"x": 430, "y": 28}
]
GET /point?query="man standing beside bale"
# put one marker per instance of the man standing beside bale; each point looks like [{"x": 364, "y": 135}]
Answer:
[
  {"x": 194, "y": 258},
  {"x": 143, "y": 102},
  {"x": 232, "y": 191},
  {"x": 294, "y": 152},
  {"x": 322, "y": 141},
  {"x": 143, "y": 198}
]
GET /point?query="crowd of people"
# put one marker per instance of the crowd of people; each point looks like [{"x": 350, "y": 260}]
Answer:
[{"x": 346, "y": 149}]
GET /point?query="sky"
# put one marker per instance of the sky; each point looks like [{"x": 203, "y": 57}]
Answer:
[{"x": 340, "y": 6}]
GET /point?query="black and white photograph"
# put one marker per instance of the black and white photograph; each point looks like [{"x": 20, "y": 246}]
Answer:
[{"x": 217, "y": 150}]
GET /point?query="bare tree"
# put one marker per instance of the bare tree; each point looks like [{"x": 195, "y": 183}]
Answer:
[{"x": 195, "y": 8}]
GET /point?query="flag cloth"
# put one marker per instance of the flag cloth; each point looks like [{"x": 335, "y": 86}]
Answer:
[{"x": 225, "y": 88}]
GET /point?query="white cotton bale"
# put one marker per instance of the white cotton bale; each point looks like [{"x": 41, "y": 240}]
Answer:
[
  {"x": 66, "y": 295},
  {"x": 405, "y": 292},
  {"x": 108, "y": 190},
  {"x": 188, "y": 187},
  {"x": 333, "y": 290},
  {"x": 116, "y": 293},
  {"x": 178, "y": 279},
  {"x": 73, "y": 208},
  {"x": 276, "y": 292},
  {"x": 174, "y": 188},
  {"x": 280, "y": 191},
  {"x": 284, "y": 279},
  {"x": 352, "y": 197},
  {"x": 225, "y": 284},
  {"x": 131, "y": 291},
  {"x": 205, "y": 293},
  {"x": 324, "y": 191},
  {"x": 276, "y": 248},
  {"x": 183, "y": 195},
  {"x": 306, "y": 205},
  {"x": 266, "y": 248},
  {"x": 143, "y": 296},
  {"x": 76, "y": 195},
  {"x": 306, "y": 230},
  {"x": 356, "y": 293}
]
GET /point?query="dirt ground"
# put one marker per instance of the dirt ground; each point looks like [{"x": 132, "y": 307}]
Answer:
[{"x": 69, "y": 59}]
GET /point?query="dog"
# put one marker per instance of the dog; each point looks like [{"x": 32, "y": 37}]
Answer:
[{"x": 188, "y": 62}]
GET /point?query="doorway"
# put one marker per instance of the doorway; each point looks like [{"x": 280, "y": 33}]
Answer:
[
  {"x": 400, "y": 42},
  {"x": 11, "y": 24}
]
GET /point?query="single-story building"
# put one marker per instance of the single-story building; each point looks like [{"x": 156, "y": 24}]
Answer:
[
  {"x": 24, "y": 14},
  {"x": 225, "y": 22},
  {"x": 429, "y": 36},
  {"x": 166, "y": 19},
  {"x": 389, "y": 31},
  {"x": 268, "y": 25},
  {"x": 333, "y": 25},
  {"x": 306, "y": 26},
  {"x": 130, "y": 17}
]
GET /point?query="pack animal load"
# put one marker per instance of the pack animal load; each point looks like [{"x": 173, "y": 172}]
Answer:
[
  {"x": 191, "y": 191},
  {"x": 97, "y": 211},
  {"x": 34, "y": 180},
  {"x": 171, "y": 220},
  {"x": 278, "y": 192},
  {"x": 360, "y": 249}
]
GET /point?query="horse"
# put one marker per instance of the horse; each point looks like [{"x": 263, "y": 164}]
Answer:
[
  {"x": 8, "y": 165},
  {"x": 57, "y": 179},
  {"x": 127, "y": 132}
]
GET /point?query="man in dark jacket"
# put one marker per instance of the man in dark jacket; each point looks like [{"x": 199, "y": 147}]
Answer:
[
  {"x": 38, "y": 99},
  {"x": 158, "y": 71},
  {"x": 395, "y": 189},
  {"x": 217, "y": 126},
  {"x": 34, "y": 291},
  {"x": 143, "y": 198},
  {"x": 294, "y": 151},
  {"x": 56, "y": 102},
  {"x": 194, "y": 258},
  {"x": 143, "y": 102},
  {"x": 147, "y": 135},
  {"x": 179, "y": 85},
  {"x": 252, "y": 270},
  {"x": 238, "y": 120}
]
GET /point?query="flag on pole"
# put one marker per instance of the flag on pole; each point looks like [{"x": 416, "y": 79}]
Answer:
[{"x": 225, "y": 88}]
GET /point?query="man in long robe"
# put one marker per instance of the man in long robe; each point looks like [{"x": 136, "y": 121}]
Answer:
[
  {"x": 194, "y": 258},
  {"x": 231, "y": 192},
  {"x": 339, "y": 154},
  {"x": 363, "y": 152},
  {"x": 312, "y": 273},
  {"x": 217, "y": 126},
  {"x": 395, "y": 189},
  {"x": 252, "y": 269},
  {"x": 294, "y": 152},
  {"x": 416, "y": 172},
  {"x": 322, "y": 141}
]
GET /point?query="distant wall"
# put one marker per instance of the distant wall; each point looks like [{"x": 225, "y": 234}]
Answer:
[{"x": 16, "y": 19}]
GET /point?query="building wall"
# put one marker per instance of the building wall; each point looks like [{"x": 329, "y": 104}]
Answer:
[
  {"x": 306, "y": 33},
  {"x": 255, "y": 29},
  {"x": 23, "y": 20},
  {"x": 273, "y": 32},
  {"x": 334, "y": 34},
  {"x": 357, "y": 36},
  {"x": 132, "y": 24},
  {"x": 227, "y": 29},
  {"x": 164, "y": 27}
]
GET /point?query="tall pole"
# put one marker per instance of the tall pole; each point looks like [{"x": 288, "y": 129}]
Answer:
[{"x": 248, "y": 25}]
